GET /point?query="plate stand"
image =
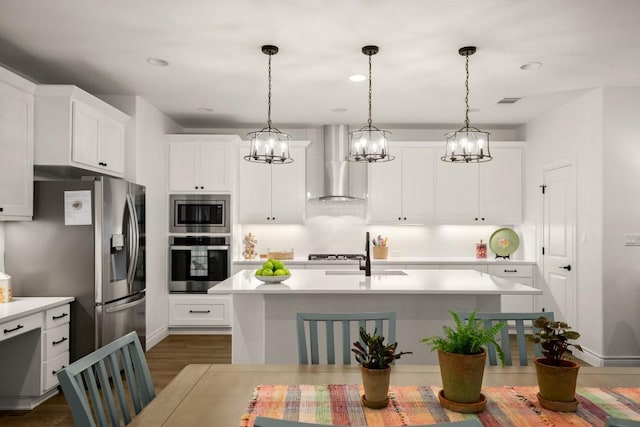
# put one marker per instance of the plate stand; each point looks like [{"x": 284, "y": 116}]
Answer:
[{"x": 503, "y": 257}]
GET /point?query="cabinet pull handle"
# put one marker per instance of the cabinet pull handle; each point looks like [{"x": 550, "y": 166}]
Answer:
[
  {"x": 6, "y": 331},
  {"x": 60, "y": 341},
  {"x": 199, "y": 311},
  {"x": 61, "y": 316},
  {"x": 1, "y": 209},
  {"x": 510, "y": 271},
  {"x": 102, "y": 164},
  {"x": 55, "y": 372}
]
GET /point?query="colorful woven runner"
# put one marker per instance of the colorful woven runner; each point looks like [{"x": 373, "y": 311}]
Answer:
[{"x": 339, "y": 404}]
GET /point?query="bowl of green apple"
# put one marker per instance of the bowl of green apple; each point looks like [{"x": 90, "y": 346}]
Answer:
[{"x": 272, "y": 271}]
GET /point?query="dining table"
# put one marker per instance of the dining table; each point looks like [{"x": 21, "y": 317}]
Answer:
[{"x": 225, "y": 394}]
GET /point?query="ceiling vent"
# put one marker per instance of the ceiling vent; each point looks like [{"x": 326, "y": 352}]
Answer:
[{"x": 509, "y": 100}]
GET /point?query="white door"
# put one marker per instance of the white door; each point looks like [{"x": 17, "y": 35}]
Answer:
[{"x": 558, "y": 242}]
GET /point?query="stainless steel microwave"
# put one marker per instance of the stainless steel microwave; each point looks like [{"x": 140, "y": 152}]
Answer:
[{"x": 199, "y": 213}]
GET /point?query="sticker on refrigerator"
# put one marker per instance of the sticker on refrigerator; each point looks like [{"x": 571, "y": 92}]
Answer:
[{"x": 77, "y": 207}]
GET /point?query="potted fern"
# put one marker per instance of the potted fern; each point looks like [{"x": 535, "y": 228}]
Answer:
[
  {"x": 557, "y": 377},
  {"x": 462, "y": 356},
  {"x": 375, "y": 359}
]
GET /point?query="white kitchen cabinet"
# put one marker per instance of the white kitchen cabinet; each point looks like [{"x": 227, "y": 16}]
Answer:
[
  {"x": 521, "y": 273},
  {"x": 76, "y": 129},
  {"x": 200, "y": 310},
  {"x": 273, "y": 194},
  {"x": 34, "y": 345},
  {"x": 201, "y": 163},
  {"x": 401, "y": 191},
  {"x": 481, "y": 193},
  {"x": 16, "y": 147}
]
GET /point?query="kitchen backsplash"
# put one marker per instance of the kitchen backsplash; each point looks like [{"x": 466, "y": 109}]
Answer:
[{"x": 345, "y": 234}]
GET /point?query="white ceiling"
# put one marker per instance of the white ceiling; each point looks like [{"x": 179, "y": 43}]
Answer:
[{"x": 213, "y": 47}]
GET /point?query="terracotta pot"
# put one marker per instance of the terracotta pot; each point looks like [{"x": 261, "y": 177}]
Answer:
[
  {"x": 557, "y": 383},
  {"x": 462, "y": 375},
  {"x": 376, "y": 387}
]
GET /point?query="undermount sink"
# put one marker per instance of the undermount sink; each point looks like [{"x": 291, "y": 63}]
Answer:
[{"x": 361, "y": 272}]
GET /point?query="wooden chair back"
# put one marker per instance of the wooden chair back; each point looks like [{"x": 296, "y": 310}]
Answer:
[
  {"x": 94, "y": 387},
  {"x": 311, "y": 320},
  {"x": 522, "y": 322}
]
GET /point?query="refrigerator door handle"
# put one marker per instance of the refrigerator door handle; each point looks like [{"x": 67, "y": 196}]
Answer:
[
  {"x": 122, "y": 307},
  {"x": 134, "y": 238}
]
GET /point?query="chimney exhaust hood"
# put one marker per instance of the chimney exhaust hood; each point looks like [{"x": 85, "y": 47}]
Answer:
[{"x": 343, "y": 181}]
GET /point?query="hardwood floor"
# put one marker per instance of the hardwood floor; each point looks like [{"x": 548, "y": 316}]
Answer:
[{"x": 165, "y": 360}]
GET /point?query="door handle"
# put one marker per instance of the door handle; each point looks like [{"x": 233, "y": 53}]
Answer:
[{"x": 567, "y": 267}]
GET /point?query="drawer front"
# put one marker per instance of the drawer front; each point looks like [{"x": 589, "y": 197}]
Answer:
[
  {"x": 206, "y": 313},
  {"x": 19, "y": 326},
  {"x": 478, "y": 267},
  {"x": 56, "y": 341},
  {"x": 519, "y": 270},
  {"x": 57, "y": 316},
  {"x": 49, "y": 369}
]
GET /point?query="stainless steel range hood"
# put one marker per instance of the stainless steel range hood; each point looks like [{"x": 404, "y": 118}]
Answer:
[{"x": 343, "y": 181}]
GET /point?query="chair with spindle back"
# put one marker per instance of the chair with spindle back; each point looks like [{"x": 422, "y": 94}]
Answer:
[
  {"x": 344, "y": 319},
  {"x": 94, "y": 387},
  {"x": 521, "y": 321}
]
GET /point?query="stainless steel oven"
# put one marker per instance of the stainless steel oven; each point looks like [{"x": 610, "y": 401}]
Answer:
[
  {"x": 197, "y": 262},
  {"x": 199, "y": 213}
]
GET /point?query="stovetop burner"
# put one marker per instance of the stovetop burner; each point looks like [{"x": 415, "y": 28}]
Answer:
[{"x": 335, "y": 257}]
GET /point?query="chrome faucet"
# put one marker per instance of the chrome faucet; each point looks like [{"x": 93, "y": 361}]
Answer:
[{"x": 367, "y": 259}]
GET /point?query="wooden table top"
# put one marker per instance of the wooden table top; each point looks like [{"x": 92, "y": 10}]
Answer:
[{"x": 217, "y": 395}]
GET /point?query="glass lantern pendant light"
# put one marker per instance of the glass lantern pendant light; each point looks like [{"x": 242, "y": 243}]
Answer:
[
  {"x": 269, "y": 145},
  {"x": 369, "y": 144},
  {"x": 468, "y": 144}
]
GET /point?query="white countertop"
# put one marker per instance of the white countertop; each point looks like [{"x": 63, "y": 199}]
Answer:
[
  {"x": 442, "y": 282},
  {"x": 23, "y": 306},
  {"x": 396, "y": 261}
]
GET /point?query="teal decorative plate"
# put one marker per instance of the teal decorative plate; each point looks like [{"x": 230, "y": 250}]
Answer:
[{"x": 504, "y": 241}]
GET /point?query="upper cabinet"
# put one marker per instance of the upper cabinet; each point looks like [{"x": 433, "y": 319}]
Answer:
[
  {"x": 16, "y": 147},
  {"x": 401, "y": 190},
  {"x": 481, "y": 193},
  {"x": 74, "y": 128},
  {"x": 201, "y": 163},
  {"x": 273, "y": 194}
]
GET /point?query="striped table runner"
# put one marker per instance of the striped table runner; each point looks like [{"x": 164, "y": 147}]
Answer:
[{"x": 339, "y": 404}]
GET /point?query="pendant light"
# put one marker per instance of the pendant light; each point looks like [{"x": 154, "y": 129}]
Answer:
[
  {"x": 369, "y": 144},
  {"x": 468, "y": 144},
  {"x": 269, "y": 145}
]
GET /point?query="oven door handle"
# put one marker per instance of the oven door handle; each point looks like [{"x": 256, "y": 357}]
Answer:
[{"x": 188, "y": 248}]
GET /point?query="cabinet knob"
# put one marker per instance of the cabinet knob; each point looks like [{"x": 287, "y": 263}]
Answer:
[
  {"x": 405, "y": 218},
  {"x": 399, "y": 218},
  {"x": 476, "y": 218},
  {"x": 482, "y": 218},
  {"x": 196, "y": 187},
  {"x": 202, "y": 188},
  {"x": 1, "y": 209}
]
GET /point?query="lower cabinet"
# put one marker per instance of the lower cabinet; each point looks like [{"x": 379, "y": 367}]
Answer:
[{"x": 200, "y": 310}]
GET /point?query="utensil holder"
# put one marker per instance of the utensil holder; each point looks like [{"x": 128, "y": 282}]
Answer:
[{"x": 380, "y": 252}]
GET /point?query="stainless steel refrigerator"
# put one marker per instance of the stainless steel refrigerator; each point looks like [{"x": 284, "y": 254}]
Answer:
[{"x": 86, "y": 240}]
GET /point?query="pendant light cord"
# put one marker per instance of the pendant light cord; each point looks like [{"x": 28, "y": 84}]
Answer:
[
  {"x": 466, "y": 97},
  {"x": 369, "y": 91},
  {"x": 269, "y": 97}
]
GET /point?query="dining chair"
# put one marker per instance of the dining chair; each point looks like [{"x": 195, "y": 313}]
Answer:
[
  {"x": 345, "y": 320},
  {"x": 521, "y": 321},
  {"x": 271, "y": 422},
  {"x": 91, "y": 388},
  {"x": 620, "y": 422}
]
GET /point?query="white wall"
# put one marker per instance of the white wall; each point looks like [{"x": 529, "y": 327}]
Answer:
[
  {"x": 574, "y": 131},
  {"x": 621, "y": 209}
]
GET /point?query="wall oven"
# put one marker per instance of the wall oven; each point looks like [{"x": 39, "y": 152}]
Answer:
[
  {"x": 199, "y": 213},
  {"x": 197, "y": 262}
]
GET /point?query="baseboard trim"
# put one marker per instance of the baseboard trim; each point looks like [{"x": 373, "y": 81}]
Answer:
[
  {"x": 156, "y": 336},
  {"x": 595, "y": 359},
  {"x": 199, "y": 331}
]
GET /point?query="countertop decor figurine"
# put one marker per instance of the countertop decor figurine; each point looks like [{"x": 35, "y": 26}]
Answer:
[{"x": 249, "y": 242}]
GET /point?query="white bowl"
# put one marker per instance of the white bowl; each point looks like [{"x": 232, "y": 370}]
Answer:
[{"x": 273, "y": 279}]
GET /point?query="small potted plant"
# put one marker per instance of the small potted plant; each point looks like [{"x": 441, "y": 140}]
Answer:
[
  {"x": 557, "y": 377},
  {"x": 375, "y": 359},
  {"x": 462, "y": 356}
]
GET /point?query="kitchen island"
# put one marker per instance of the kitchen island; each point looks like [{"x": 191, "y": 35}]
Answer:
[{"x": 264, "y": 314}]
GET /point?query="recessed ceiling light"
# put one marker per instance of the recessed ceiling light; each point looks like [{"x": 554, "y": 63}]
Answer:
[
  {"x": 205, "y": 109},
  {"x": 357, "y": 78},
  {"x": 531, "y": 65},
  {"x": 339, "y": 110},
  {"x": 158, "y": 62}
]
